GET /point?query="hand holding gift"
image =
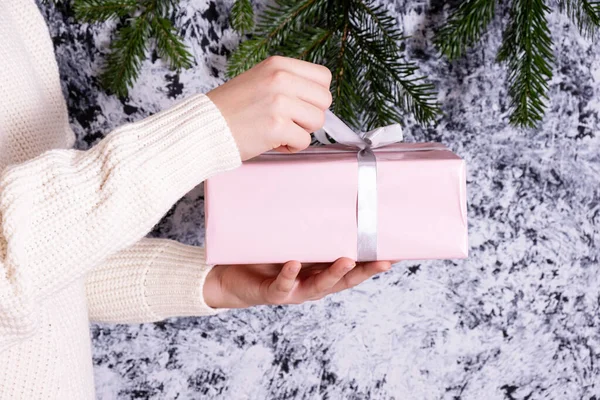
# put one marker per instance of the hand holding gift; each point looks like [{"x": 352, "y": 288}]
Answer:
[
  {"x": 275, "y": 105},
  {"x": 239, "y": 286},
  {"x": 366, "y": 198}
]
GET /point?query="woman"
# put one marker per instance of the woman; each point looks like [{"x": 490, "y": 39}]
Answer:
[{"x": 72, "y": 223}]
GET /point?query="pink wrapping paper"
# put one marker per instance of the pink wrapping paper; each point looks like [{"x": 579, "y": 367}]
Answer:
[{"x": 281, "y": 207}]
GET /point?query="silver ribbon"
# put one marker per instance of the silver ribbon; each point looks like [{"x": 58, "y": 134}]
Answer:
[{"x": 365, "y": 142}]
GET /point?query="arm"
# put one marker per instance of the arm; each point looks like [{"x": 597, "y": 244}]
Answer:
[
  {"x": 159, "y": 278},
  {"x": 65, "y": 211},
  {"x": 152, "y": 280},
  {"x": 273, "y": 105}
]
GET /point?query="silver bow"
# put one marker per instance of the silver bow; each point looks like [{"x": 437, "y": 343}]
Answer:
[{"x": 365, "y": 142}]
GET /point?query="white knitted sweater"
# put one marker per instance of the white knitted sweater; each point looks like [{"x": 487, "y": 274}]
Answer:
[{"x": 72, "y": 223}]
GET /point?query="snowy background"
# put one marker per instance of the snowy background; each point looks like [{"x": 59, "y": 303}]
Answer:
[{"x": 519, "y": 319}]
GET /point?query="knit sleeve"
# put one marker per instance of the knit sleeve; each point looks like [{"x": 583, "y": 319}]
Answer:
[
  {"x": 65, "y": 211},
  {"x": 149, "y": 281}
]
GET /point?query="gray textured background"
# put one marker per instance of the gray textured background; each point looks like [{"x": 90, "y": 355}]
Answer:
[{"x": 518, "y": 320}]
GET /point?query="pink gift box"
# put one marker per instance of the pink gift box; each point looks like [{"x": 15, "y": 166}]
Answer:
[{"x": 303, "y": 206}]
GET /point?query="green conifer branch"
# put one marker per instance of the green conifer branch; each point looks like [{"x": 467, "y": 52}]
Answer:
[
  {"x": 242, "y": 16},
  {"x": 274, "y": 27},
  {"x": 143, "y": 20},
  {"x": 312, "y": 44},
  {"x": 376, "y": 20},
  {"x": 348, "y": 101},
  {"x": 249, "y": 53},
  {"x": 382, "y": 58},
  {"x": 102, "y": 10},
  {"x": 527, "y": 50},
  {"x": 127, "y": 53},
  {"x": 360, "y": 43},
  {"x": 338, "y": 83},
  {"x": 161, "y": 7},
  {"x": 526, "y": 46},
  {"x": 464, "y": 27},
  {"x": 169, "y": 44},
  {"x": 584, "y": 14}
]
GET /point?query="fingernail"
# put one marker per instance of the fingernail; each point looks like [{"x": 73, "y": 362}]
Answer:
[{"x": 350, "y": 266}]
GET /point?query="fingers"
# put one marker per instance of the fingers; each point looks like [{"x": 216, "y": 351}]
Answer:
[
  {"x": 293, "y": 121},
  {"x": 316, "y": 283},
  {"x": 311, "y": 93},
  {"x": 295, "y": 138},
  {"x": 284, "y": 283},
  {"x": 360, "y": 274},
  {"x": 306, "y": 90},
  {"x": 302, "y": 100},
  {"x": 302, "y": 113},
  {"x": 320, "y": 284},
  {"x": 306, "y": 115},
  {"x": 314, "y": 72}
]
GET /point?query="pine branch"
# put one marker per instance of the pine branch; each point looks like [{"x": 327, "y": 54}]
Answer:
[
  {"x": 401, "y": 86},
  {"x": 169, "y": 44},
  {"x": 359, "y": 42},
  {"x": 378, "y": 22},
  {"x": 416, "y": 96},
  {"x": 128, "y": 51},
  {"x": 161, "y": 7},
  {"x": 380, "y": 107},
  {"x": 339, "y": 84},
  {"x": 389, "y": 73},
  {"x": 526, "y": 48},
  {"x": 102, "y": 10},
  {"x": 584, "y": 14},
  {"x": 277, "y": 22},
  {"x": 311, "y": 44},
  {"x": 249, "y": 53},
  {"x": 242, "y": 16},
  {"x": 464, "y": 27},
  {"x": 348, "y": 100},
  {"x": 286, "y": 16}
]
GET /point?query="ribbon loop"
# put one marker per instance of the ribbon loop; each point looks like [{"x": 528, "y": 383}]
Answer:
[
  {"x": 365, "y": 142},
  {"x": 341, "y": 133}
]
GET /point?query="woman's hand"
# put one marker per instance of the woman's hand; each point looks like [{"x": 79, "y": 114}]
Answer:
[
  {"x": 240, "y": 286},
  {"x": 275, "y": 105}
]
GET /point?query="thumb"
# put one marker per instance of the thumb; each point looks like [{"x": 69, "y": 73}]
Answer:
[{"x": 285, "y": 281}]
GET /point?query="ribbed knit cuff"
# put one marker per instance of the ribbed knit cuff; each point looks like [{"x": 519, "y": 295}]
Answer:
[
  {"x": 152, "y": 280},
  {"x": 174, "y": 283}
]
